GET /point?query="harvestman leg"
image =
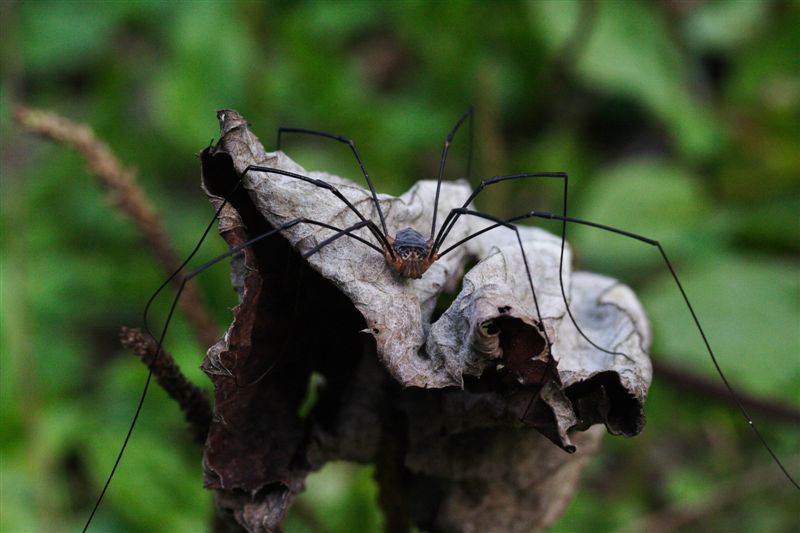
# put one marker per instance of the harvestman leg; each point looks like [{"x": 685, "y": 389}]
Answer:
[
  {"x": 454, "y": 215},
  {"x": 319, "y": 183},
  {"x": 188, "y": 277},
  {"x": 255, "y": 168},
  {"x": 550, "y": 216},
  {"x": 468, "y": 114},
  {"x": 381, "y": 236},
  {"x": 376, "y": 232},
  {"x": 352, "y": 146},
  {"x": 305, "y": 255}
]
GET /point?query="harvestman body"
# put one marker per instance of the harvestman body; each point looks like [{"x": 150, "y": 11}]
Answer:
[{"x": 410, "y": 254}]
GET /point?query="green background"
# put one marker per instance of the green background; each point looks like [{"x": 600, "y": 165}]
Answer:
[{"x": 675, "y": 120}]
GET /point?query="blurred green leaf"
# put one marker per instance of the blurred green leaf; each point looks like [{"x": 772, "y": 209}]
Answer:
[
  {"x": 749, "y": 309},
  {"x": 648, "y": 197},
  {"x": 343, "y": 497},
  {"x": 724, "y": 24},
  {"x": 205, "y": 71},
  {"x": 555, "y": 22},
  {"x": 65, "y": 35},
  {"x": 629, "y": 52},
  {"x": 675, "y": 120},
  {"x": 771, "y": 58}
]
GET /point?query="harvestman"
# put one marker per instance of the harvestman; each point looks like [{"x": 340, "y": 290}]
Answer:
[{"x": 410, "y": 254}]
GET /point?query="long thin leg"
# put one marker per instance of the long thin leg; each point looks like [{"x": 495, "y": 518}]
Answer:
[
  {"x": 381, "y": 236},
  {"x": 339, "y": 234},
  {"x": 453, "y": 216},
  {"x": 186, "y": 261},
  {"x": 184, "y": 281},
  {"x": 467, "y": 114},
  {"x": 462, "y": 211},
  {"x": 521, "y": 249},
  {"x": 352, "y": 145},
  {"x": 673, "y": 273},
  {"x": 319, "y": 183}
]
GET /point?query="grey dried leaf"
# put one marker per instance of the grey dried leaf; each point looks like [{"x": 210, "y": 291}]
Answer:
[
  {"x": 507, "y": 480},
  {"x": 398, "y": 310},
  {"x": 494, "y": 329}
]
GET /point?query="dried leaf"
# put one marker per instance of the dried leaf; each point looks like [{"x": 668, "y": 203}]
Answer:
[{"x": 497, "y": 362}]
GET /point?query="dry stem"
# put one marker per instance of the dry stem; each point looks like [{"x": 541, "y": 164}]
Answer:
[
  {"x": 125, "y": 195},
  {"x": 191, "y": 399},
  {"x": 682, "y": 379}
]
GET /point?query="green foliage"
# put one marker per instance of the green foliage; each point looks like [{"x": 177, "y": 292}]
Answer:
[
  {"x": 734, "y": 283},
  {"x": 675, "y": 120}
]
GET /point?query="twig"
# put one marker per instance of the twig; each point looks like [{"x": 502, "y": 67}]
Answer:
[
  {"x": 681, "y": 378},
  {"x": 191, "y": 399},
  {"x": 125, "y": 195}
]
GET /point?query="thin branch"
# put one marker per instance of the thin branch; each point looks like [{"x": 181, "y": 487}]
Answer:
[
  {"x": 191, "y": 399},
  {"x": 126, "y": 196},
  {"x": 711, "y": 388}
]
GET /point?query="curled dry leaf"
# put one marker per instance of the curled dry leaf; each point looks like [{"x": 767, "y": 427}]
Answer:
[{"x": 446, "y": 408}]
